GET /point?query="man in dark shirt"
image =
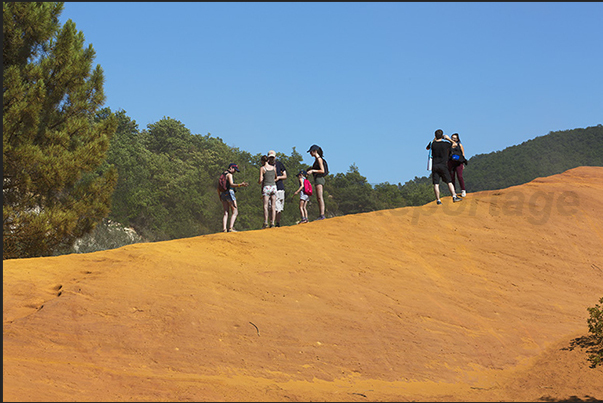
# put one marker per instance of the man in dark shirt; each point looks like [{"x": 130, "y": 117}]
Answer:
[
  {"x": 440, "y": 153},
  {"x": 281, "y": 175}
]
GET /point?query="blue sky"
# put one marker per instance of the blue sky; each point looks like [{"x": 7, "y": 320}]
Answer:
[{"x": 368, "y": 82}]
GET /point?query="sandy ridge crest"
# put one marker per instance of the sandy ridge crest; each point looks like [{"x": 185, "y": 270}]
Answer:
[{"x": 476, "y": 301}]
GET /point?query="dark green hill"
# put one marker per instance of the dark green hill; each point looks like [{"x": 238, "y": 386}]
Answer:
[
  {"x": 167, "y": 176},
  {"x": 542, "y": 156}
]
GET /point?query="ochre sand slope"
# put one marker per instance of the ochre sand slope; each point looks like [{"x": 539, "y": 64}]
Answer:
[{"x": 471, "y": 301}]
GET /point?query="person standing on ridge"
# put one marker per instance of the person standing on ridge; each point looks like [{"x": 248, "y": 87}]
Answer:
[
  {"x": 440, "y": 151},
  {"x": 281, "y": 175},
  {"x": 456, "y": 164},
  {"x": 303, "y": 196},
  {"x": 319, "y": 171},
  {"x": 267, "y": 180},
  {"x": 229, "y": 201}
]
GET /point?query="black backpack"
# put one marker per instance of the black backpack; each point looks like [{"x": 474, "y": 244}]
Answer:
[{"x": 326, "y": 166}]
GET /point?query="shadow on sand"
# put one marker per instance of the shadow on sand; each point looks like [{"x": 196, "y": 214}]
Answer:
[
  {"x": 589, "y": 343},
  {"x": 569, "y": 399}
]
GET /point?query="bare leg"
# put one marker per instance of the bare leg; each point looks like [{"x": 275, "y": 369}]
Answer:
[
  {"x": 226, "y": 206},
  {"x": 266, "y": 209},
  {"x": 233, "y": 216},
  {"x": 436, "y": 190},
  {"x": 321, "y": 201},
  {"x": 452, "y": 172},
  {"x": 273, "y": 208},
  {"x": 451, "y": 187}
]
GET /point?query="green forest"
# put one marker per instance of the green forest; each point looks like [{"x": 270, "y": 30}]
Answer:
[
  {"x": 79, "y": 177},
  {"x": 167, "y": 176}
]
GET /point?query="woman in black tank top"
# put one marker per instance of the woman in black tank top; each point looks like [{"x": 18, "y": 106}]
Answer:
[{"x": 318, "y": 171}]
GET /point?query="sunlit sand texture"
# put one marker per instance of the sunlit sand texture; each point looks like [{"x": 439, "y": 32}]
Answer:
[{"x": 471, "y": 301}]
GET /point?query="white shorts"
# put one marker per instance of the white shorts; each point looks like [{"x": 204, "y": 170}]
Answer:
[
  {"x": 280, "y": 201},
  {"x": 269, "y": 190}
]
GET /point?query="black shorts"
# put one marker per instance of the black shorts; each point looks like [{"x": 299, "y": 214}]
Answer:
[{"x": 440, "y": 171}]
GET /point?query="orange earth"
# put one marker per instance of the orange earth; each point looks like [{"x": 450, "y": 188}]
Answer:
[{"x": 475, "y": 301}]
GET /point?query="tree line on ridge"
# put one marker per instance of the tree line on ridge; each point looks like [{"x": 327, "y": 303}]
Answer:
[{"x": 75, "y": 171}]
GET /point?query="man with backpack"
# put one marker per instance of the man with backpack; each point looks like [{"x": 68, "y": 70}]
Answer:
[
  {"x": 226, "y": 191},
  {"x": 440, "y": 151}
]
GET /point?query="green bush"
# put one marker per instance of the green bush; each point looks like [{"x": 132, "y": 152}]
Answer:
[{"x": 595, "y": 326}]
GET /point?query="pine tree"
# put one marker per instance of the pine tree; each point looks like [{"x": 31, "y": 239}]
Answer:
[{"x": 57, "y": 185}]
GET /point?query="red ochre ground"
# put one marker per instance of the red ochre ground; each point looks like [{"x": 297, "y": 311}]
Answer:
[{"x": 471, "y": 301}]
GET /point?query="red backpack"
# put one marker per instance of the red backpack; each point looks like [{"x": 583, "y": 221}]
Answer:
[
  {"x": 223, "y": 182},
  {"x": 307, "y": 187}
]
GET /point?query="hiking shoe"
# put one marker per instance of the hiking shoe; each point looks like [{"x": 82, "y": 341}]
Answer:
[
  {"x": 321, "y": 217},
  {"x": 265, "y": 225},
  {"x": 272, "y": 225},
  {"x": 439, "y": 202},
  {"x": 456, "y": 199},
  {"x": 463, "y": 193},
  {"x": 278, "y": 224},
  {"x": 232, "y": 230}
]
